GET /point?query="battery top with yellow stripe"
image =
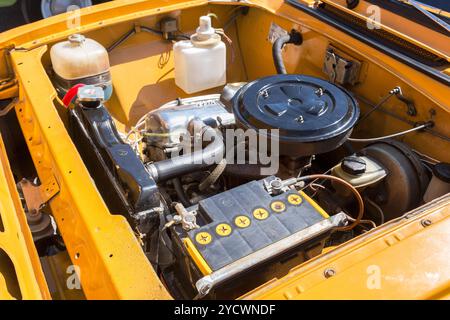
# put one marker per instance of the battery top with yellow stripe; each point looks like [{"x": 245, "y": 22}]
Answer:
[{"x": 239, "y": 222}]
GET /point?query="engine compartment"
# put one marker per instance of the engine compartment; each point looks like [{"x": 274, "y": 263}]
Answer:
[
  {"x": 214, "y": 218},
  {"x": 208, "y": 208}
]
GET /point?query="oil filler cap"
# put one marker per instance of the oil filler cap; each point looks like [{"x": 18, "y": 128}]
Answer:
[{"x": 312, "y": 115}]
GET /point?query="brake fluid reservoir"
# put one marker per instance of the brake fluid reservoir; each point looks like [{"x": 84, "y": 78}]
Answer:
[
  {"x": 80, "y": 60},
  {"x": 200, "y": 63},
  {"x": 359, "y": 171}
]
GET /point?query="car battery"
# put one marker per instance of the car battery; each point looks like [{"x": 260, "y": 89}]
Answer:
[{"x": 248, "y": 232}]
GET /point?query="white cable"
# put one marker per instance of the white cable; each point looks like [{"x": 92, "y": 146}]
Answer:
[
  {"x": 425, "y": 157},
  {"x": 423, "y": 126}
]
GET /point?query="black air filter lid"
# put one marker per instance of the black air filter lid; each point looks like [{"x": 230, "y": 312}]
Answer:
[{"x": 303, "y": 108}]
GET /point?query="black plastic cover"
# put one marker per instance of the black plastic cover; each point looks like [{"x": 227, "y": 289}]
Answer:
[
  {"x": 313, "y": 116},
  {"x": 119, "y": 175},
  {"x": 442, "y": 171}
]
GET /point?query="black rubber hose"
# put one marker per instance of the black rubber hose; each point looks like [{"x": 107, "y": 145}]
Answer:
[
  {"x": 180, "y": 192},
  {"x": 195, "y": 161},
  {"x": 245, "y": 171},
  {"x": 293, "y": 37},
  {"x": 276, "y": 53}
]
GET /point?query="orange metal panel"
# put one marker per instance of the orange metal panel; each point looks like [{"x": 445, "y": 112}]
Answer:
[
  {"x": 403, "y": 259},
  {"x": 103, "y": 246},
  {"x": 21, "y": 274}
]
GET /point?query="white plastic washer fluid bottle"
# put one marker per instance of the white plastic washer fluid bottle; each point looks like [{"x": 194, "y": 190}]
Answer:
[{"x": 200, "y": 63}]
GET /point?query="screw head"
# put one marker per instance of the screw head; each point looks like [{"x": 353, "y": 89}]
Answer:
[
  {"x": 330, "y": 272},
  {"x": 276, "y": 184},
  {"x": 426, "y": 222}
]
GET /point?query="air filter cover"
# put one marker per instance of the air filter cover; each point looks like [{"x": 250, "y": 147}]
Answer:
[{"x": 313, "y": 116}]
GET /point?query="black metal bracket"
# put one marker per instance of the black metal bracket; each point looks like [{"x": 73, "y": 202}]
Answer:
[{"x": 412, "y": 111}]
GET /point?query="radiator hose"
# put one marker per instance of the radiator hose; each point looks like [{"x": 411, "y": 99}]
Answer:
[
  {"x": 293, "y": 37},
  {"x": 198, "y": 160}
]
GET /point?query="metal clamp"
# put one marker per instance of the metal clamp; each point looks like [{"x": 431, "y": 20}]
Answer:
[
  {"x": 187, "y": 219},
  {"x": 277, "y": 186}
]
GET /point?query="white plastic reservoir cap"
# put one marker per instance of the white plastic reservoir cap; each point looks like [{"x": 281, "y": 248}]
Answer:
[
  {"x": 205, "y": 29},
  {"x": 76, "y": 38}
]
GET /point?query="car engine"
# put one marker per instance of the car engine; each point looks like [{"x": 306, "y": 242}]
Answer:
[{"x": 227, "y": 191}]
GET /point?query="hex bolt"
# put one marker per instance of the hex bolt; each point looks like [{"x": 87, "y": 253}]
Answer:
[
  {"x": 300, "y": 119},
  {"x": 265, "y": 94},
  {"x": 319, "y": 92},
  {"x": 330, "y": 272},
  {"x": 426, "y": 222}
]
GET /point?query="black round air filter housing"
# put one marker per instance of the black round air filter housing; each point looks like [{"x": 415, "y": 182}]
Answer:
[{"x": 313, "y": 116}]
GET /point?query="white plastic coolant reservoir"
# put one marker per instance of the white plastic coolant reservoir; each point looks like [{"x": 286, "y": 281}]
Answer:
[
  {"x": 200, "y": 63},
  {"x": 78, "y": 58}
]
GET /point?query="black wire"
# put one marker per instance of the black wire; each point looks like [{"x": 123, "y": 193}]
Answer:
[
  {"x": 151, "y": 30},
  {"x": 378, "y": 105},
  {"x": 131, "y": 33},
  {"x": 122, "y": 39},
  {"x": 180, "y": 36}
]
